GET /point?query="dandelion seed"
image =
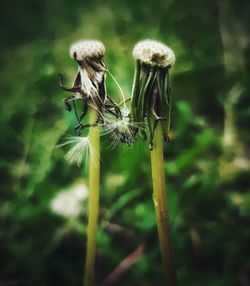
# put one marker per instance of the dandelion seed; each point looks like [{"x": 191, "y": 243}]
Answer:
[
  {"x": 119, "y": 130},
  {"x": 79, "y": 151}
]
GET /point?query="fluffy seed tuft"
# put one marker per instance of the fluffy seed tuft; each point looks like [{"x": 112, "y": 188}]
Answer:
[
  {"x": 80, "y": 148},
  {"x": 87, "y": 49},
  {"x": 120, "y": 130},
  {"x": 154, "y": 53}
]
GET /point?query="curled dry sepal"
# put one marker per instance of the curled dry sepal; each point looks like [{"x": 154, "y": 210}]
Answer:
[{"x": 151, "y": 95}]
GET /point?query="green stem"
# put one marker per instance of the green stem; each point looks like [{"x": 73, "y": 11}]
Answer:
[
  {"x": 160, "y": 202},
  {"x": 93, "y": 203}
]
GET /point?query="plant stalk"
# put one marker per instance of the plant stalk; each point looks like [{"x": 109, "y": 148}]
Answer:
[
  {"x": 160, "y": 203},
  {"x": 93, "y": 202}
]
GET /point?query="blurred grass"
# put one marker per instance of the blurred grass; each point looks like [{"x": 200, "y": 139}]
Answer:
[{"x": 208, "y": 177}]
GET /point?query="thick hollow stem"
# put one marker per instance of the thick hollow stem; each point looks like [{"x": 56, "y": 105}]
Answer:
[
  {"x": 160, "y": 203},
  {"x": 93, "y": 203}
]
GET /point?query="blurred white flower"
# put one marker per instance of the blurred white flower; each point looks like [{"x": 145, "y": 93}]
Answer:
[{"x": 69, "y": 203}]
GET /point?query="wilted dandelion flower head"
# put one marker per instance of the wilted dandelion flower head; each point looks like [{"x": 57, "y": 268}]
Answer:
[
  {"x": 154, "y": 53},
  {"x": 151, "y": 94},
  {"x": 89, "y": 55}
]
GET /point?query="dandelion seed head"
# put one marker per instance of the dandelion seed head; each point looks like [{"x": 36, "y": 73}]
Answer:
[
  {"x": 87, "y": 49},
  {"x": 154, "y": 53}
]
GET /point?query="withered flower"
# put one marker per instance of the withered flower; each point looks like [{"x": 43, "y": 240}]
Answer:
[{"x": 89, "y": 83}]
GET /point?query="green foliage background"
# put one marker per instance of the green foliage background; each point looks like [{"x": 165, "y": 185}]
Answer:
[{"x": 207, "y": 160}]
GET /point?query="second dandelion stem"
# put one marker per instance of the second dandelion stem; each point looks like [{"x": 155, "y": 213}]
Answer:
[
  {"x": 93, "y": 203},
  {"x": 160, "y": 202}
]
